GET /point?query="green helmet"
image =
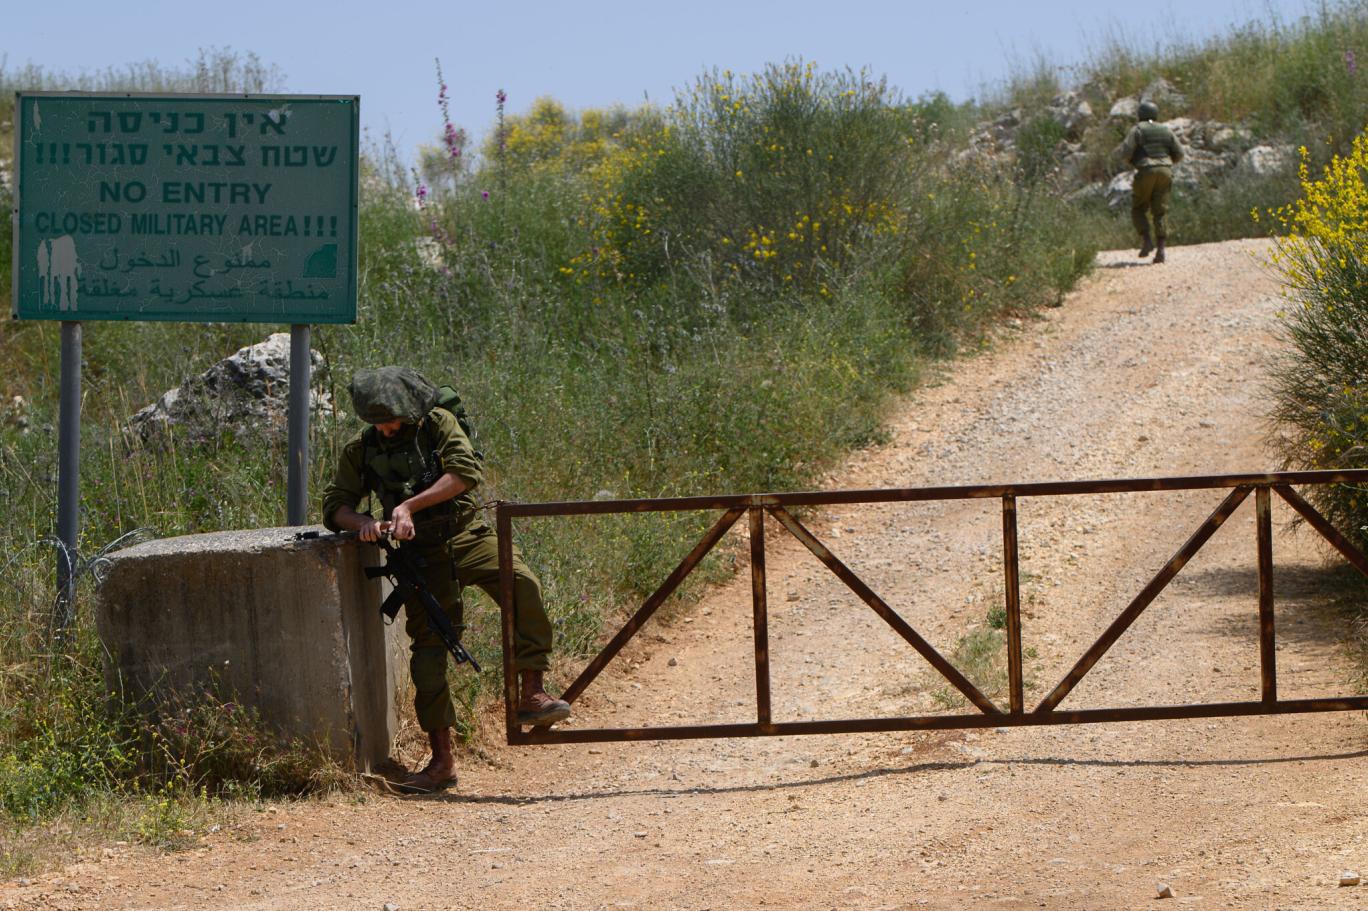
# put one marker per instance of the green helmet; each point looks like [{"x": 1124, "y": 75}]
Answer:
[
  {"x": 382, "y": 395},
  {"x": 1148, "y": 110}
]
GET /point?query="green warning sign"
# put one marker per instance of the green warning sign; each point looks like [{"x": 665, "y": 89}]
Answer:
[{"x": 201, "y": 208}]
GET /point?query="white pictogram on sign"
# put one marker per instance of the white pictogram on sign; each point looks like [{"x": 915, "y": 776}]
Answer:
[{"x": 59, "y": 272}]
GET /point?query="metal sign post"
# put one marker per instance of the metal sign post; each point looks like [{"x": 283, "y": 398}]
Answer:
[
  {"x": 297, "y": 478},
  {"x": 68, "y": 475}
]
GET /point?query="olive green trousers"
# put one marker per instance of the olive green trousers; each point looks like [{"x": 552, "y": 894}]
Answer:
[
  {"x": 470, "y": 558},
  {"x": 1150, "y": 193}
]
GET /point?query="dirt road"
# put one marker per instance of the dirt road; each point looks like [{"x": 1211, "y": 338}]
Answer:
[{"x": 1144, "y": 371}]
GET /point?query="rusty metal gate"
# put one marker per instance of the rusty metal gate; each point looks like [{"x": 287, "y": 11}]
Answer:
[{"x": 1263, "y": 486}]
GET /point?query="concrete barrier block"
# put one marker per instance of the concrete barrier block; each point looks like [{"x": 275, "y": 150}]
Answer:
[{"x": 289, "y": 627}]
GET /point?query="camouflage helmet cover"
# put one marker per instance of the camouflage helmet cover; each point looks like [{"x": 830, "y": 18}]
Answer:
[
  {"x": 389, "y": 393},
  {"x": 1148, "y": 110}
]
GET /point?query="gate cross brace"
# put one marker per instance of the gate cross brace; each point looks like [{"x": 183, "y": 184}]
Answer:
[{"x": 1144, "y": 599}]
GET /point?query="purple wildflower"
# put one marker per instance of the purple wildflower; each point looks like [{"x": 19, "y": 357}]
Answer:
[
  {"x": 421, "y": 192},
  {"x": 452, "y": 138},
  {"x": 500, "y": 99},
  {"x": 1350, "y": 62},
  {"x": 484, "y": 194}
]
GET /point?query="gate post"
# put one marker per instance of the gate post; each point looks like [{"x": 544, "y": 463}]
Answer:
[
  {"x": 1012, "y": 583},
  {"x": 1268, "y": 655},
  {"x": 759, "y": 605}
]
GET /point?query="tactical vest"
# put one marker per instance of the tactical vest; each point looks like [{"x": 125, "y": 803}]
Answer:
[
  {"x": 1152, "y": 149},
  {"x": 399, "y": 471}
]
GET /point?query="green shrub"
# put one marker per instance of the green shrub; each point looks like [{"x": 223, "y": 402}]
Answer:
[
  {"x": 1321, "y": 386},
  {"x": 1036, "y": 142},
  {"x": 66, "y": 746}
]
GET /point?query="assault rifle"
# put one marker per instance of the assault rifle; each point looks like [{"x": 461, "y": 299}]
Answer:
[{"x": 404, "y": 568}]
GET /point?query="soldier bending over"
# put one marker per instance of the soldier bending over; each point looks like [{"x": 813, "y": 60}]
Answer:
[{"x": 419, "y": 463}]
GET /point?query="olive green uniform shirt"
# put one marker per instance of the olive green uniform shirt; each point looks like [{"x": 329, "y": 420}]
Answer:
[{"x": 398, "y": 462}]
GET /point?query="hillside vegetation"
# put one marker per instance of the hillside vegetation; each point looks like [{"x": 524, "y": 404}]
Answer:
[{"x": 721, "y": 295}]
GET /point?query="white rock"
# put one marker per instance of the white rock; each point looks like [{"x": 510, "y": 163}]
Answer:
[
  {"x": 1071, "y": 111},
  {"x": 250, "y": 387},
  {"x": 1097, "y": 190},
  {"x": 1124, "y": 109},
  {"x": 1119, "y": 190},
  {"x": 1163, "y": 93},
  {"x": 1200, "y": 167},
  {"x": 1163, "y": 890},
  {"x": 1225, "y": 139},
  {"x": 1348, "y": 878},
  {"x": 390, "y": 906},
  {"x": 429, "y": 252},
  {"x": 1268, "y": 160},
  {"x": 1183, "y": 129}
]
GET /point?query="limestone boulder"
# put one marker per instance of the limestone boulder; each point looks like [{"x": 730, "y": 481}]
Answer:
[
  {"x": 1183, "y": 129},
  {"x": 1124, "y": 109},
  {"x": 1263, "y": 161},
  {"x": 1223, "y": 138},
  {"x": 1072, "y": 162},
  {"x": 1118, "y": 191},
  {"x": 251, "y": 388},
  {"x": 1088, "y": 193},
  {"x": 1200, "y": 167},
  {"x": 1072, "y": 112},
  {"x": 1166, "y": 95}
]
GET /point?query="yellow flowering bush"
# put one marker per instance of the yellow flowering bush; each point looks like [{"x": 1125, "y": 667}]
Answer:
[
  {"x": 549, "y": 138},
  {"x": 1322, "y": 385},
  {"x": 774, "y": 178}
]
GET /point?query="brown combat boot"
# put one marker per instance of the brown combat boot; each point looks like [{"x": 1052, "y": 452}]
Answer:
[
  {"x": 1159, "y": 252},
  {"x": 440, "y": 772},
  {"x": 1146, "y": 246},
  {"x": 537, "y": 707}
]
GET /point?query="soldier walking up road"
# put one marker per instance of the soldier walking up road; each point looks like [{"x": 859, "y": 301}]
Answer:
[{"x": 1153, "y": 150}]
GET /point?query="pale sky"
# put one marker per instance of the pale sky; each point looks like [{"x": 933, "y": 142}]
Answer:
[{"x": 594, "y": 53}]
